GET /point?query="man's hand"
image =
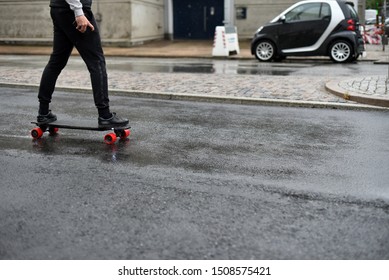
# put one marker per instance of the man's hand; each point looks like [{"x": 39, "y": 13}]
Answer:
[{"x": 83, "y": 23}]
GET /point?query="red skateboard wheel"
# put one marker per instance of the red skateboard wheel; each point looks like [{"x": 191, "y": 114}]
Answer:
[
  {"x": 125, "y": 133},
  {"x": 53, "y": 130},
  {"x": 110, "y": 138},
  {"x": 36, "y": 133}
]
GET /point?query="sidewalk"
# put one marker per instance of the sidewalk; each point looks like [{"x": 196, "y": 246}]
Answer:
[{"x": 364, "y": 90}]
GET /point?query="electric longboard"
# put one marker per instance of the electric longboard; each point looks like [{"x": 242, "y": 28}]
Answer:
[{"x": 117, "y": 131}]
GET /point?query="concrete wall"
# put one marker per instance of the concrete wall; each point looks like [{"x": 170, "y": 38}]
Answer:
[
  {"x": 126, "y": 22},
  {"x": 147, "y": 20},
  {"x": 259, "y": 12},
  {"x": 123, "y": 22},
  {"x": 25, "y": 19}
]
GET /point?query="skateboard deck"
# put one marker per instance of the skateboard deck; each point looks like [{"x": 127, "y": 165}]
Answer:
[{"x": 117, "y": 131}]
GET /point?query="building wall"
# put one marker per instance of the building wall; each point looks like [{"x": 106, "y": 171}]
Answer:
[
  {"x": 147, "y": 20},
  {"x": 25, "y": 19},
  {"x": 127, "y": 22},
  {"x": 258, "y": 12},
  {"x": 123, "y": 22}
]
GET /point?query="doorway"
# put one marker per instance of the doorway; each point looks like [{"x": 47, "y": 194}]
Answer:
[{"x": 197, "y": 19}]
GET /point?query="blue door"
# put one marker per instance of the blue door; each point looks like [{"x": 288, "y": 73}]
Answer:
[{"x": 197, "y": 19}]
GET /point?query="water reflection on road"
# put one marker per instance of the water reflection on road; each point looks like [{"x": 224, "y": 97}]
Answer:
[{"x": 295, "y": 67}]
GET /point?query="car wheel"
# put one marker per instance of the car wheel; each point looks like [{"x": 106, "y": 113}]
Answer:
[
  {"x": 265, "y": 50},
  {"x": 341, "y": 51}
]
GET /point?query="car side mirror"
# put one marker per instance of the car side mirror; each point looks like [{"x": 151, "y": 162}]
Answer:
[{"x": 282, "y": 19}]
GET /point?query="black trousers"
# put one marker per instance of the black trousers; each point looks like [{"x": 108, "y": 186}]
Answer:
[{"x": 89, "y": 47}]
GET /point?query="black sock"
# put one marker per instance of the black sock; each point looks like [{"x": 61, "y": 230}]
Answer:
[
  {"x": 104, "y": 113},
  {"x": 43, "y": 108}
]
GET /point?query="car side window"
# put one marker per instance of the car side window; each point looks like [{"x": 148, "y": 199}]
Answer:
[
  {"x": 325, "y": 12},
  {"x": 308, "y": 11}
]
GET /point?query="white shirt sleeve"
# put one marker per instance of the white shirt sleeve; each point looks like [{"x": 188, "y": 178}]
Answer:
[{"x": 76, "y": 6}]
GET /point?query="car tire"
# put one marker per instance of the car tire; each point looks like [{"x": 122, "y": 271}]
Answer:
[
  {"x": 265, "y": 50},
  {"x": 341, "y": 51}
]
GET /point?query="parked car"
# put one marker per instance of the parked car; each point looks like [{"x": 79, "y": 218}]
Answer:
[
  {"x": 311, "y": 28},
  {"x": 370, "y": 21}
]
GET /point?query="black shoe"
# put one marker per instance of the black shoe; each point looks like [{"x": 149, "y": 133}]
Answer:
[
  {"x": 49, "y": 118},
  {"x": 113, "y": 121}
]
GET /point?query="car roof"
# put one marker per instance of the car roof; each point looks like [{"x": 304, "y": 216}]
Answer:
[{"x": 330, "y": 2}]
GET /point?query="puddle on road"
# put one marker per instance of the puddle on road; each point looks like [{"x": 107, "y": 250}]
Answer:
[
  {"x": 70, "y": 146},
  {"x": 204, "y": 68}
]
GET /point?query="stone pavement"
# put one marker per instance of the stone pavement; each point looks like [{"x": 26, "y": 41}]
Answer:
[{"x": 324, "y": 91}]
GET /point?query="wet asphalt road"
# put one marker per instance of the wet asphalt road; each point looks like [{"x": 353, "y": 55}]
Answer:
[{"x": 195, "y": 181}]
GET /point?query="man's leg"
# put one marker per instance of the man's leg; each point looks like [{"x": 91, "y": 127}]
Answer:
[
  {"x": 92, "y": 53},
  {"x": 62, "y": 48}
]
